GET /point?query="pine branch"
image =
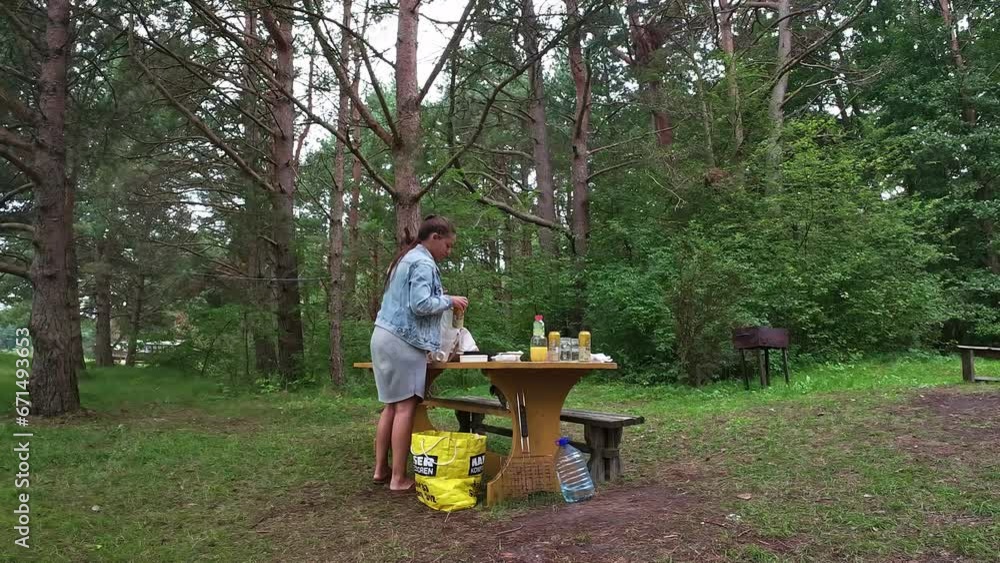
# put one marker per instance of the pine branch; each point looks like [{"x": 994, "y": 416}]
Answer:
[
  {"x": 517, "y": 213},
  {"x": 14, "y": 104},
  {"x": 859, "y": 10},
  {"x": 14, "y": 269},
  {"x": 14, "y": 193},
  {"x": 12, "y": 139},
  {"x": 499, "y": 88},
  {"x": 199, "y": 124},
  {"x": 344, "y": 81},
  {"x": 456, "y": 38},
  {"x": 611, "y": 168},
  {"x": 21, "y": 164},
  {"x": 23, "y": 227},
  {"x": 21, "y": 28}
]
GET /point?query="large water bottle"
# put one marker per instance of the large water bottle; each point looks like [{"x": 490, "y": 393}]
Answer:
[{"x": 574, "y": 478}]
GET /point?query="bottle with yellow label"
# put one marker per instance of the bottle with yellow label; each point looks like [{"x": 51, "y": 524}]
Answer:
[
  {"x": 538, "y": 349},
  {"x": 584, "y": 346}
]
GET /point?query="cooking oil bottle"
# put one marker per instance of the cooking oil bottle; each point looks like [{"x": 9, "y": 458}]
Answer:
[{"x": 538, "y": 347}]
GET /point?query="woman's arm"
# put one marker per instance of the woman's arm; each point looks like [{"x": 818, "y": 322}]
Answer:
[{"x": 423, "y": 302}]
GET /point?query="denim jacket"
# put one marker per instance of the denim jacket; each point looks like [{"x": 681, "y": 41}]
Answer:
[{"x": 414, "y": 301}]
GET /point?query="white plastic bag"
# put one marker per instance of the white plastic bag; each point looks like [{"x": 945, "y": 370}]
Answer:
[{"x": 455, "y": 340}]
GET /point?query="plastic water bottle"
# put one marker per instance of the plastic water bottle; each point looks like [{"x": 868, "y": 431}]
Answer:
[{"x": 574, "y": 478}]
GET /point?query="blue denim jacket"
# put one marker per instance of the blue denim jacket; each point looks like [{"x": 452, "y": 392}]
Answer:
[{"x": 414, "y": 301}]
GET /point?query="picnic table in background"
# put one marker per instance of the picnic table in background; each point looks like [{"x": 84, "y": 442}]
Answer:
[{"x": 969, "y": 354}]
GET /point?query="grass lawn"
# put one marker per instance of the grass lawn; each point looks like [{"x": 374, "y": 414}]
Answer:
[{"x": 890, "y": 460}]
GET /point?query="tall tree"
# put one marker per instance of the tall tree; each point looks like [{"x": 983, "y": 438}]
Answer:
[
  {"x": 254, "y": 245},
  {"x": 649, "y": 27},
  {"x": 779, "y": 88},
  {"x": 102, "y": 297},
  {"x": 728, "y": 44},
  {"x": 538, "y": 126},
  {"x": 580, "y": 161},
  {"x": 784, "y": 63},
  {"x": 135, "y": 320},
  {"x": 987, "y": 223},
  {"x": 402, "y": 133},
  {"x": 53, "y": 385},
  {"x": 336, "y": 295},
  {"x": 354, "y": 212},
  {"x": 286, "y": 269},
  {"x": 277, "y": 74}
]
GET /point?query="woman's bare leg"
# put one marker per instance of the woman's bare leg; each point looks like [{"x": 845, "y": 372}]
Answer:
[
  {"x": 402, "y": 428},
  {"x": 383, "y": 438}
]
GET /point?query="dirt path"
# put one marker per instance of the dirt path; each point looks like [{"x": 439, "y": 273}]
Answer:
[{"x": 679, "y": 515}]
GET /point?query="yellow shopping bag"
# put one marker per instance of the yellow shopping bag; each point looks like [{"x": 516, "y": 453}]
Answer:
[{"x": 448, "y": 467}]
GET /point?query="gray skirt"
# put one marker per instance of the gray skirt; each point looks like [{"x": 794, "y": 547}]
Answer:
[{"x": 400, "y": 369}]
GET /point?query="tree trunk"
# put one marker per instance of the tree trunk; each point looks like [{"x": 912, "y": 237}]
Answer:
[
  {"x": 706, "y": 117},
  {"x": 375, "y": 296},
  {"x": 838, "y": 98},
  {"x": 102, "y": 299},
  {"x": 968, "y": 107},
  {"x": 526, "y": 250},
  {"x": 992, "y": 256},
  {"x": 579, "y": 170},
  {"x": 260, "y": 294},
  {"x": 970, "y": 117},
  {"x": 135, "y": 322},
  {"x": 288, "y": 314},
  {"x": 776, "y": 106},
  {"x": 335, "y": 260},
  {"x": 262, "y": 302},
  {"x": 647, "y": 38},
  {"x": 726, "y": 12},
  {"x": 406, "y": 150},
  {"x": 538, "y": 129},
  {"x": 73, "y": 295},
  {"x": 852, "y": 98},
  {"x": 662, "y": 124},
  {"x": 53, "y": 384},
  {"x": 289, "y": 317},
  {"x": 509, "y": 261},
  {"x": 353, "y": 215}
]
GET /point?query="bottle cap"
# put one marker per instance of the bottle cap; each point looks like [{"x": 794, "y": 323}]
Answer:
[
  {"x": 563, "y": 441},
  {"x": 538, "y": 317}
]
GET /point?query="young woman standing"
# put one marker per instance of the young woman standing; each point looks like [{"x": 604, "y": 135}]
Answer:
[{"x": 407, "y": 327}]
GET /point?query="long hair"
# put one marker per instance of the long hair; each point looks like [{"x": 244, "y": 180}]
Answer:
[{"x": 432, "y": 224}]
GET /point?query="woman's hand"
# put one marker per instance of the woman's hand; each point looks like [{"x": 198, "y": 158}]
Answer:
[{"x": 460, "y": 303}]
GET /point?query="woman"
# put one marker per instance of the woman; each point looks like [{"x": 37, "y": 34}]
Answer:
[{"x": 407, "y": 327}]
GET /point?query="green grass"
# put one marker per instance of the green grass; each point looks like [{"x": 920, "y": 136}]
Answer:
[{"x": 169, "y": 467}]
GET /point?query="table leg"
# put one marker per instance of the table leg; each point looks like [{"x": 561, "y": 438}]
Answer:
[
  {"x": 767, "y": 367},
  {"x": 531, "y": 468},
  {"x": 784, "y": 363},
  {"x": 968, "y": 366},
  {"x": 762, "y": 368},
  {"x": 421, "y": 421},
  {"x": 743, "y": 369}
]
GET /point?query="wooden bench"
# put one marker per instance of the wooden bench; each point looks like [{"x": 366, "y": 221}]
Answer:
[
  {"x": 602, "y": 431},
  {"x": 969, "y": 354}
]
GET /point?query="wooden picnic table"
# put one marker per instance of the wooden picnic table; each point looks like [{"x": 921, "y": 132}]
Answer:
[
  {"x": 969, "y": 354},
  {"x": 543, "y": 387}
]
